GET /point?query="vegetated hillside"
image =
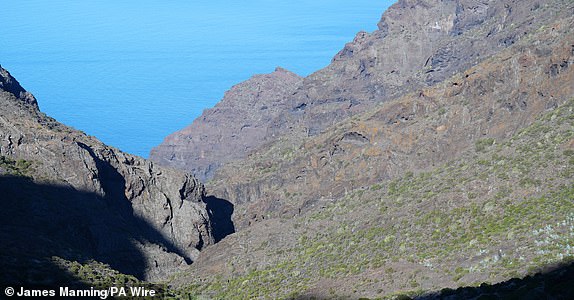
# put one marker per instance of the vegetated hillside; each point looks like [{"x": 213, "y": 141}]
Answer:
[
  {"x": 418, "y": 44},
  {"x": 465, "y": 182},
  {"x": 67, "y": 195},
  {"x": 502, "y": 210}
]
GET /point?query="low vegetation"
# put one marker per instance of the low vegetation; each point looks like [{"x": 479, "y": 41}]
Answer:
[
  {"x": 502, "y": 211},
  {"x": 12, "y": 167}
]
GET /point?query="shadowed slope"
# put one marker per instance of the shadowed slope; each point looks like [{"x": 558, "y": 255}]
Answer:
[
  {"x": 139, "y": 218},
  {"x": 40, "y": 220}
]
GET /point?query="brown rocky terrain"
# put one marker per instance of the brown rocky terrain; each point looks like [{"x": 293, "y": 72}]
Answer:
[
  {"x": 474, "y": 186},
  {"x": 455, "y": 173},
  {"x": 436, "y": 152},
  {"x": 415, "y": 132},
  {"x": 418, "y": 44},
  {"x": 72, "y": 196}
]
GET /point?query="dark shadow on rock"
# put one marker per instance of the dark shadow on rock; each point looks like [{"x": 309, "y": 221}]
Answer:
[
  {"x": 113, "y": 184},
  {"x": 39, "y": 221},
  {"x": 555, "y": 283},
  {"x": 220, "y": 212}
]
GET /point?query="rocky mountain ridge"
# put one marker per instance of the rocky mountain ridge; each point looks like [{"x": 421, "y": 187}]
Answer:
[
  {"x": 415, "y": 132},
  {"x": 91, "y": 200},
  {"x": 418, "y": 44},
  {"x": 434, "y": 152}
]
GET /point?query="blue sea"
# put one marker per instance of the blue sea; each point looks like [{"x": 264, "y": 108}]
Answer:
[{"x": 131, "y": 72}]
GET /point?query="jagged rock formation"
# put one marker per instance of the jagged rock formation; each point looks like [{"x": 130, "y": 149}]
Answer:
[
  {"x": 418, "y": 44},
  {"x": 12, "y": 86},
  {"x": 106, "y": 205},
  {"x": 241, "y": 122}
]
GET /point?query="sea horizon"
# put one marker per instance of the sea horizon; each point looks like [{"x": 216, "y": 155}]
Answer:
[{"x": 130, "y": 73}]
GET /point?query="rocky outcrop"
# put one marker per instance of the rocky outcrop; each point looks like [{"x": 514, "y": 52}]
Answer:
[
  {"x": 239, "y": 123},
  {"x": 159, "y": 213},
  {"x": 419, "y": 45},
  {"x": 12, "y": 86}
]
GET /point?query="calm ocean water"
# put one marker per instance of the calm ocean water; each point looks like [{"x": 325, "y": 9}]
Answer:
[{"x": 131, "y": 72}]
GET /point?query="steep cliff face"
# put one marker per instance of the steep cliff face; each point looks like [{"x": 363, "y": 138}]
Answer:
[
  {"x": 419, "y": 43},
  {"x": 239, "y": 123},
  {"x": 437, "y": 151},
  {"x": 144, "y": 219}
]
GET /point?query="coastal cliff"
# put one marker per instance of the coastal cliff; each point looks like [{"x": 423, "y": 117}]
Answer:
[
  {"x": 417, "y": 45},
  {"x": 238, "y": 124}
]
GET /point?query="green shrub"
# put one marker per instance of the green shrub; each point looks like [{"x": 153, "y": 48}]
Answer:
[{"x": 482, "y": 144}]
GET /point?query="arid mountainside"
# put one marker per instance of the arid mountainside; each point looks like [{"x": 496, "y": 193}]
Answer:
[
  {"x": 463, "y": 183},
  {"x": 66, "y": 194},
  {"x": 497, "y": 213},
  {"x": 418, "y": 44},
  {"x": 422, "y": 129},
  {"x": 458, "y": 172}
]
